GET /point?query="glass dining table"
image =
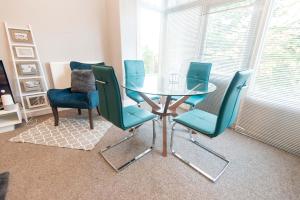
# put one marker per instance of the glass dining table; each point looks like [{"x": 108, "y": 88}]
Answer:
[{"x": 167, "y": 86}]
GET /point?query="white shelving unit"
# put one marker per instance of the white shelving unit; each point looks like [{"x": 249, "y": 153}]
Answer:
[
  {"x": 44, "y": 86},
  {"x": 8, "y": 119}
]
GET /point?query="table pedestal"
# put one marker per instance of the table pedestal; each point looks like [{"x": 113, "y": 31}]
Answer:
[{"x": 164, "y": 110}]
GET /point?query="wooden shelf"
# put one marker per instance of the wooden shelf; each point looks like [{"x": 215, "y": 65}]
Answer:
[
  {"x": 22, "y": 44},
  {"x": 38, "y": 109},
  {"x": 33, "y": 93},
  {"x": 15, "y": 61},
  {"x": 5, "y": 112},
  {"x": 22, "y": 28},
  {"x": 29, "y": 77},
  {"x": 10, "y": 118},
  {"x": 27, "y": 60}
]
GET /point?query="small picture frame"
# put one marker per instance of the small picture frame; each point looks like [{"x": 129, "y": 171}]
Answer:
[
  {"x": 36, "y": 101},
  {"x": 20, "y": 35},
  {"x": 31, "y": 85},
  {"x": 28, "y": 68},
  {"x": 24, "y": 52}
]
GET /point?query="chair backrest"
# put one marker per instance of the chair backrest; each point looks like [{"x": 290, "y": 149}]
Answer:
[
  {"x": 134, "y": 73},
  {"x": 109, "y": 94},
  {"x": 231, "y": 101},
  {"x": 198, "y": 71},
  {"x": 83, "y": 66}
]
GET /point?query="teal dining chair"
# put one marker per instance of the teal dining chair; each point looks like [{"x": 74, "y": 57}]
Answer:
[
  {"x": 126, "y": 118},
  {"x": 212, "y": 125},
  {"x": 197, "y": 71},
  {"x": 135, "y": 75}
]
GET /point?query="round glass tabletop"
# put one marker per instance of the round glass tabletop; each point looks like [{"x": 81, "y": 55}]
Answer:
[{"x": 168, "y": 86}]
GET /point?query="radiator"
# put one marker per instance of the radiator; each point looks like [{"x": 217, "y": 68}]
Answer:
[{"x": 272, "y": 124}]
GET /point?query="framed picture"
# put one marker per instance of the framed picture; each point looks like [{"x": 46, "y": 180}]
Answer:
[
  {"x": 36, "y": 100},
  {"x": 28, "y": 68},
  {"x": 31, "y": 85},
  {"x": 24, "y": 52},
  {"x": 19, "y": 35}
]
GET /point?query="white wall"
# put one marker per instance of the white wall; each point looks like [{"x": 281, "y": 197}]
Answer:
[
  {"x": 129, "y": 33},
  {"x": 64, "y": 30},
  {"x": 113, "y": 37}
]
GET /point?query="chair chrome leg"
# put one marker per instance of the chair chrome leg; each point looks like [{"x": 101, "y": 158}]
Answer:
[
  {"x": 154, "y": 133},
  {"x": 126, "y": 164},
  {"x": 193, "y": 166},
  {"x": 119, "y": 142}
]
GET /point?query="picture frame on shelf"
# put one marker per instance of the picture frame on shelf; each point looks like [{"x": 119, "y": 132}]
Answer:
[
  {"x": 24, "y": 52},
  {"x": 20, "y": 36},
  {"x": 31, "y": 85},
  {"x": 28, "y": 68},
  {"x": 35, "y": 101}
]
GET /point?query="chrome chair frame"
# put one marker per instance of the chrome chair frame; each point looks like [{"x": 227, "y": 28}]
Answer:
[
  {"x": 193, "y": 166},
  {"x": 137, "y": 157}
]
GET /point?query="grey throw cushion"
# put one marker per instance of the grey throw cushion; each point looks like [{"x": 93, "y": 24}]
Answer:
[{"x": 82, "y": 81}]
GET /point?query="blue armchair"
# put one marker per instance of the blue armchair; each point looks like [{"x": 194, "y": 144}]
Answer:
[{"x": 65, "y": 98}]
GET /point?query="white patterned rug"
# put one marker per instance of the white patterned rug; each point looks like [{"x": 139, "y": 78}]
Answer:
[{"x": 71, "y": 133}]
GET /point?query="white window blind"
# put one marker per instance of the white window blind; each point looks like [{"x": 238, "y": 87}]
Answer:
[
  {"x": 229, "y": 36},
  {"x": 223, "y": 32},
  {"x": 152, "y": 4},
  {"x": 278, "y": 73},
  {"x": 271, "y": 111},
  {"x": 220, "y": 33},
  {"x": 176, "y": 3},
  {"x": 183, "y": 29}
]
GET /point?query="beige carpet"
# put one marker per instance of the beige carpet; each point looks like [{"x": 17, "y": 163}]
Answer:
[
  {"x": 72, "y": 132},
  {"x": 256, "y": 171}
]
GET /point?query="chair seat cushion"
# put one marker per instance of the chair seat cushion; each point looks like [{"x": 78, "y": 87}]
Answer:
[
  {"x": 192, "y": 100},
  {"x": 65, "y": 98},
  {"x": 199, "y": 121},
  {"x": 133, "y": 116},
  {"x": 137, "y": 98}
]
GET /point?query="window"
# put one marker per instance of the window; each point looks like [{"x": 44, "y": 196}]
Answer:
[
  {"x": 181, "y": 38},
  {"x": 228, "y": 37},
  {"x": 220, "y": 33},
  {"x": 225, "y": 33},
  {"x": 149, "y": 31},
  {"x": 278, "y": 75},
  {"x": 176, "y": 3}
]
